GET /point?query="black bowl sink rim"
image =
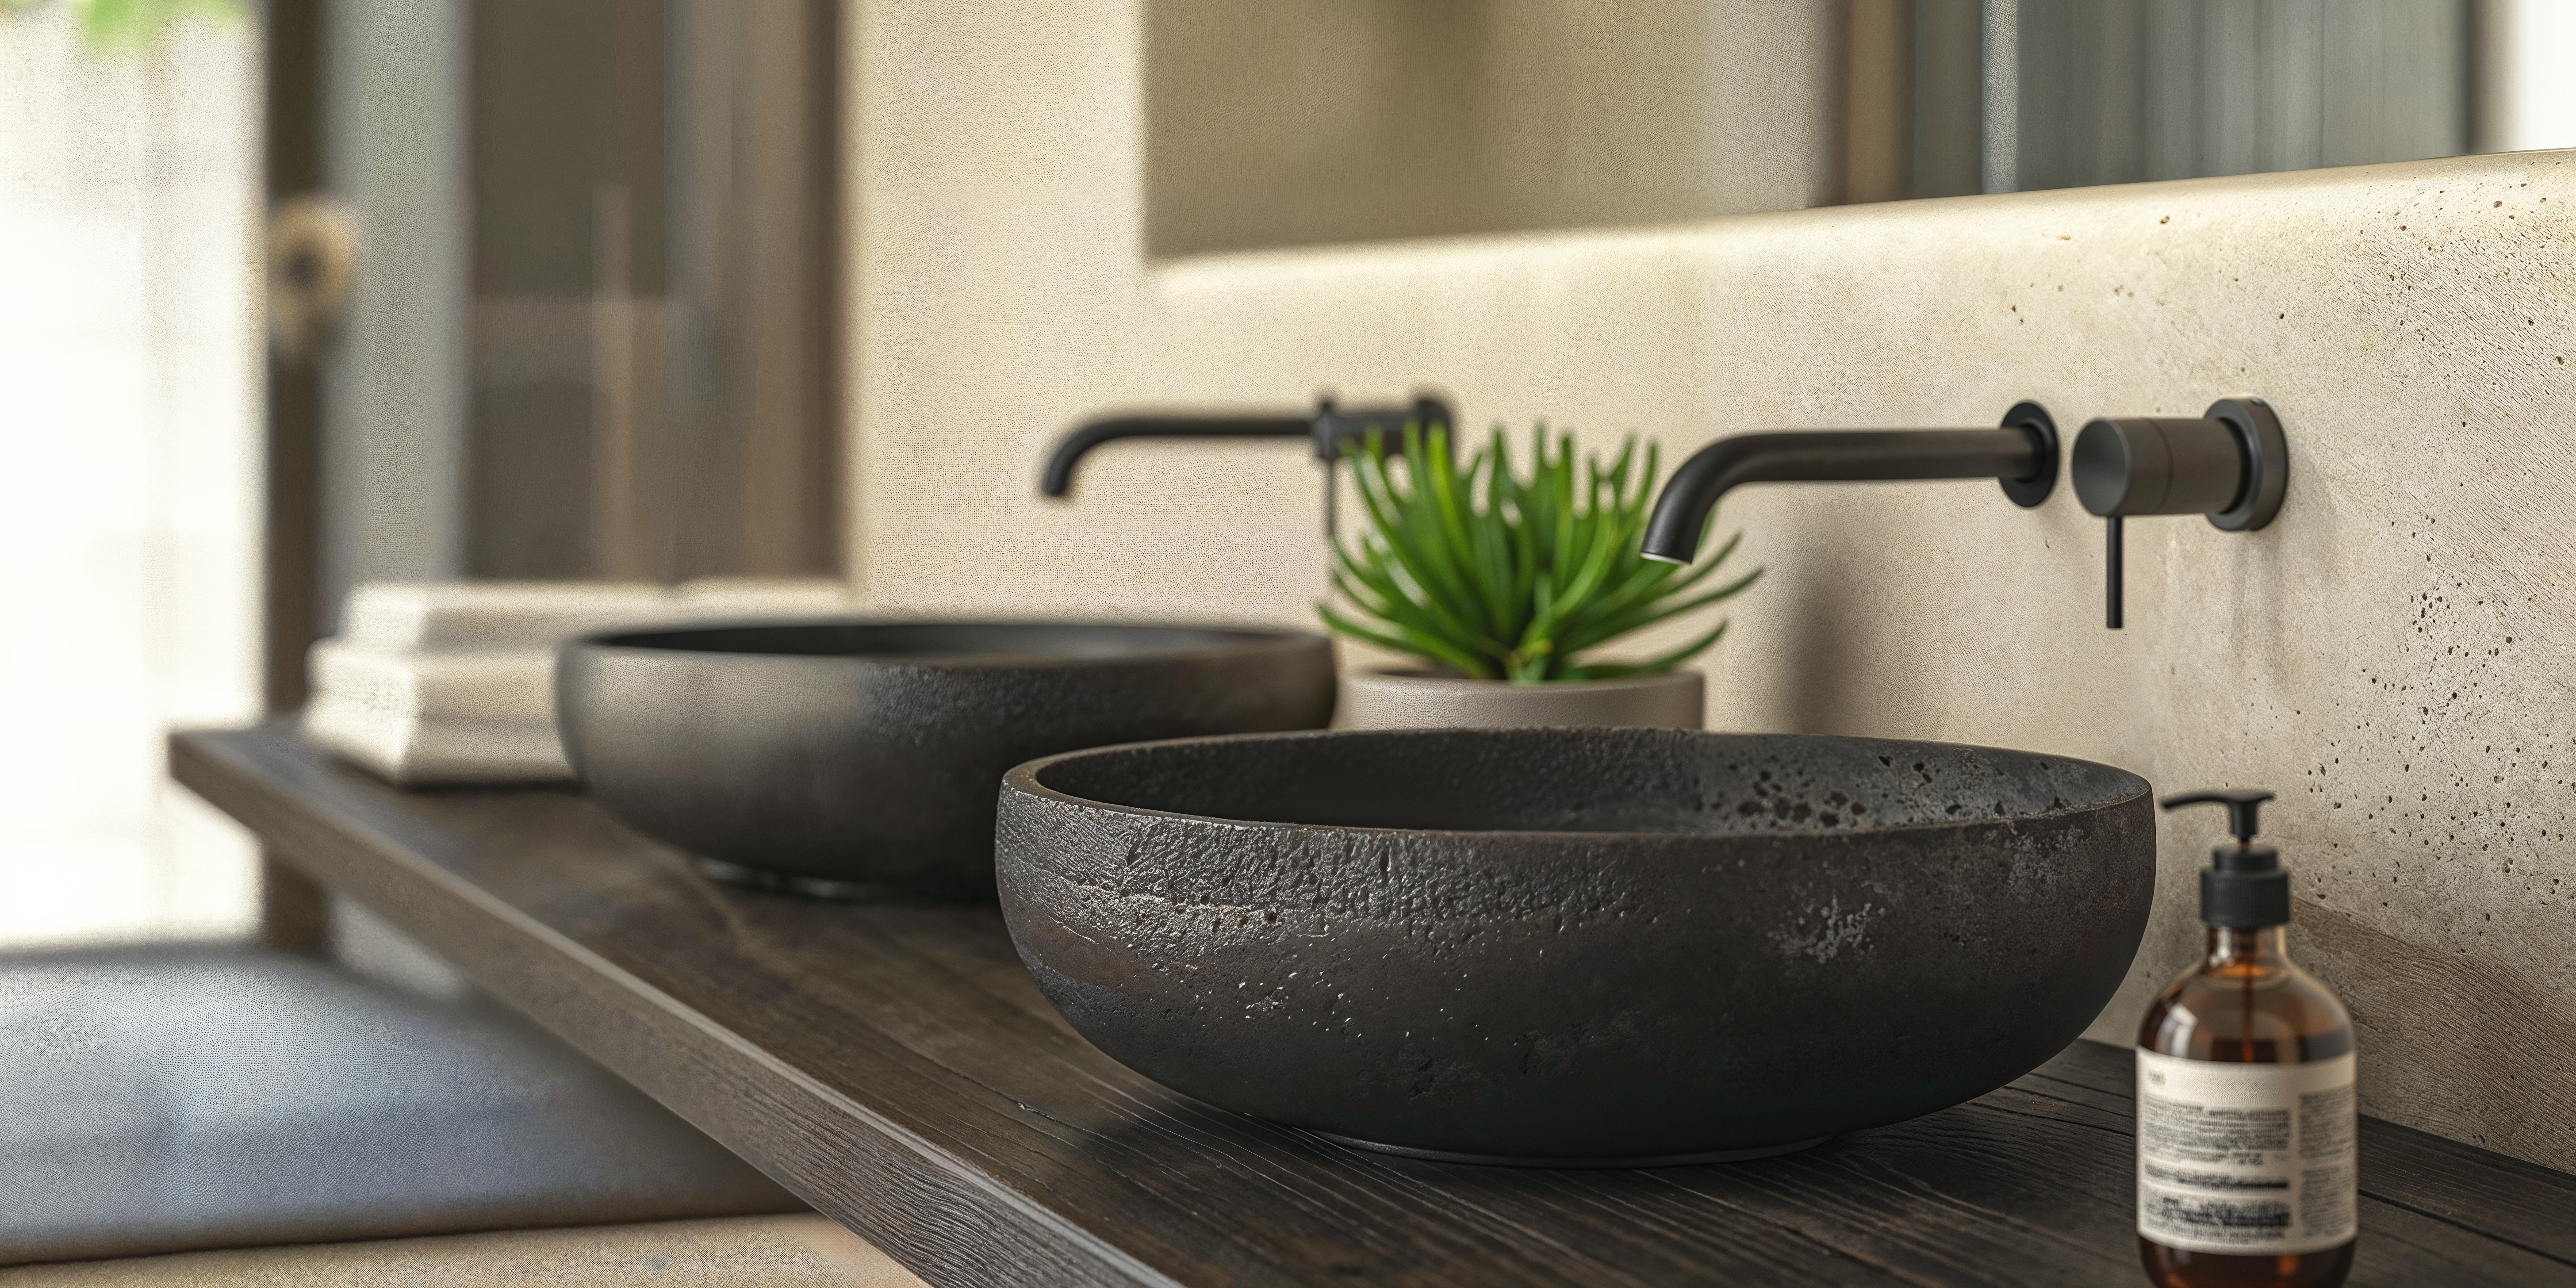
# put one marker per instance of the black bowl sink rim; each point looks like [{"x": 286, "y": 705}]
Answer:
[
  {"x": 1630, "y": 972},
  {"x": 1029, "y": 778},
  {"x": 1210, "y": 642},
  {"x": 783, "y": 748}
]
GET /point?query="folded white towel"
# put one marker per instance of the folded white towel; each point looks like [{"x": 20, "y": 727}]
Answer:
[
  {"x": 500, "y": 614},
  {"x": 519, "y": 614},
  {"x": 415, "y": 752},
  {"x": 454, "y": 682},
  {"x": 504, "y": 684},
  {"x": 713, "y": 598}
]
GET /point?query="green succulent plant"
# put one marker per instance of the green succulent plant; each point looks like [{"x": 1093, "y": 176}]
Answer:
[{"x": 1494, "y": 576}]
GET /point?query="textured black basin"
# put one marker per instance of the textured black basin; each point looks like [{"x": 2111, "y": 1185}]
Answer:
[
  {"x": 1576, "y": 946},
  {"x": 849, "y": 757}
]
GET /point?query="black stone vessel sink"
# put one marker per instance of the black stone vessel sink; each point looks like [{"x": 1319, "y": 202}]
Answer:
[
  {"x": 855, "y": 758},
  {"x": 1576, "y": 947}
]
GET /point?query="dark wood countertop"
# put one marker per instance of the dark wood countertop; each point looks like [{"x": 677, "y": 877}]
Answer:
[{"x": 897, "y": 1068}]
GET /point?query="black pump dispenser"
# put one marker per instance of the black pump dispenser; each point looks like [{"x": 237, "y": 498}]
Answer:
[{"x": 2245, "y": 888}]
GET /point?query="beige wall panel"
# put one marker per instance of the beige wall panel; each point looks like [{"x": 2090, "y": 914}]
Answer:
[{"x": 2393, "y": 655}]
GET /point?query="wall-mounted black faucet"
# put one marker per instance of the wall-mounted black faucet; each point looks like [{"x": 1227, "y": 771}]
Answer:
[
  {"x": 2233, "y": 464},
  {"x": 2022, "y": 455},
  {"x": 1334, "y": 431}
]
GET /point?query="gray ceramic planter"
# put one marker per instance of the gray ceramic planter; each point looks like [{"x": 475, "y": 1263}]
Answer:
[
  {"x": 850, "y": 758},
  {"x": 1419, "y": 700},
  {"x": 1576, "y": 946}
]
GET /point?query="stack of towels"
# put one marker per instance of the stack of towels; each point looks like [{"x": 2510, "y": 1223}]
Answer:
[{"x": 454, "y": 682}]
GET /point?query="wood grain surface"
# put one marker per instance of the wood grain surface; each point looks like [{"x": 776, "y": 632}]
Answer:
[{"x": 896, "y": 1067}]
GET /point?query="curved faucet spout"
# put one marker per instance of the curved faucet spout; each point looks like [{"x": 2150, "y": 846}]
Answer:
[
  {"x": 1333, "y": 430},
  {"x": 1058, "y": 479},
  {"x": 2023, "y": 455}
]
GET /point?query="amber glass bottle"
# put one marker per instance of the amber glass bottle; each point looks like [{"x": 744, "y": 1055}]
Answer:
[{"x": 2245, "y": 1095}]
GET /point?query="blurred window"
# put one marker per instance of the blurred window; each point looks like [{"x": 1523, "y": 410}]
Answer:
[{"x": 129, "y": 454}]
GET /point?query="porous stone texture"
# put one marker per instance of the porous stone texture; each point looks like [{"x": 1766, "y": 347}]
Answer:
[
  {"x": 1581, "y": 946},
  {"x": 2393, "y": 654}
]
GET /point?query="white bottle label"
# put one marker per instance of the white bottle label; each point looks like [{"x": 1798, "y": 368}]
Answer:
[{"x": 2256, "y": 1159}]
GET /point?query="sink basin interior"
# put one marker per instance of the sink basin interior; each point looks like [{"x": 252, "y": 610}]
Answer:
[
  {"x": 1586, "y": 780},
  {"x": 944, "y": 641}
]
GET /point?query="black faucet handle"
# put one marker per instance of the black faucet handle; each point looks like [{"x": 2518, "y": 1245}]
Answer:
[
  {"x": 2232, "y": 464},
  {"x": 2115, "y": 559},
  {"x": 2157, "y": 465}
]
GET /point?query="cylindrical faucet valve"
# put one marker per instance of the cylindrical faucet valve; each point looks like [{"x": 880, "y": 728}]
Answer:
[
  {"x": 2156, "y": 465},
  {"x": 2232, "y": 464}
]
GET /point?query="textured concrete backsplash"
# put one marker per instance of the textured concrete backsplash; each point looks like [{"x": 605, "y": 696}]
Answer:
[{"x": 2393, "y": 655}]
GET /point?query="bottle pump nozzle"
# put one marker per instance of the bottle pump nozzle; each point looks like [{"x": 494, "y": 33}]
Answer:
[
  {"x": 2243, "y": 804},
  {"x": 2246, "y": 887}
]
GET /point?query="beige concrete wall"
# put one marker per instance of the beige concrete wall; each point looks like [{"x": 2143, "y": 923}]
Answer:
[{"x": 2393, "y": 656}]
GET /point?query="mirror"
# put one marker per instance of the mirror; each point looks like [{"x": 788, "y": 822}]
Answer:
[
  {"x": 2118, "y": 91},
  {"x": 1303, "y": 122}
]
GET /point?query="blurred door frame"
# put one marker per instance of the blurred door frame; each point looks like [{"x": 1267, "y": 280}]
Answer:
[{"x": 292, "y": 907}]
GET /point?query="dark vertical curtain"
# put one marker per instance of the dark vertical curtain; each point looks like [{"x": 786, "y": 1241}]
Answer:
[{"x": 2116, "y": 91}]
